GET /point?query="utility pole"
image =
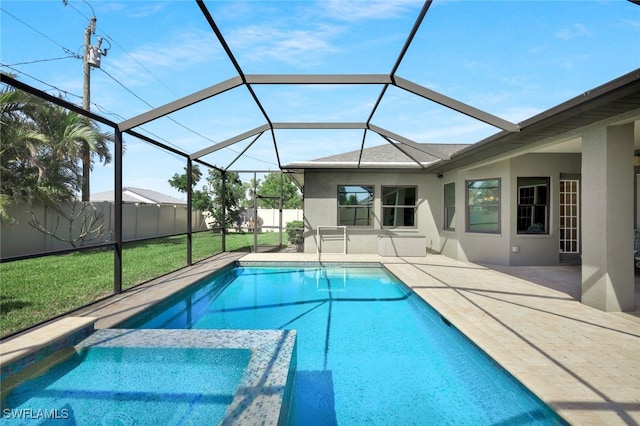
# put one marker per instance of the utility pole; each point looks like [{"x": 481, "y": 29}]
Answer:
[{"x": 86, "y": 105}]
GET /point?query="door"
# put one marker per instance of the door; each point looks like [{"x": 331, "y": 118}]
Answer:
[{"x": 569, "y": 220}]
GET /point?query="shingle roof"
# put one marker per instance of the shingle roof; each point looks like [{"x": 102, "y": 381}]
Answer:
[{"x": 385, "y": 156}]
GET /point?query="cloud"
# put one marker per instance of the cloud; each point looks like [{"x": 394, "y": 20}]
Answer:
[
  {"x": 147, "y": 10},
  {"x": 360, "y": 10},
  {"x": 176, "y": 52},
  {"x": 572, "y": 32},
  {"x": 631, "y": 22},
  {"x": 292, "y": 46},
  {"x": 131, "y": 9}
]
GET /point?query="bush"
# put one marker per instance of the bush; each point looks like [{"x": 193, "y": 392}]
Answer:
[{"x": 295, "y": 229}]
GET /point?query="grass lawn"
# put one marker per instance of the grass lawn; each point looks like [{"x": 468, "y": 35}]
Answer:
[{"x": 34, "y": 290}]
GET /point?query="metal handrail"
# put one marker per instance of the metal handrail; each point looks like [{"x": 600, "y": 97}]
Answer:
[{"x": 344, "y": 237}]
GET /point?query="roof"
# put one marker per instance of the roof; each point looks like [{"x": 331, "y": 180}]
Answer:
[
  {"x": 385, "y": 156},
  {"x": 138, "y": 195}
]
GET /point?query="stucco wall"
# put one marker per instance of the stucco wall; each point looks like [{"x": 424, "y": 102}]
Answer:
[
  {"x": 474, "y": 246},
  {"x": 540, "y": 249},
  {"x": 506, "y": 247},
  {"x": 321, "y": 209},
  {"x": 499, "y": 248}
]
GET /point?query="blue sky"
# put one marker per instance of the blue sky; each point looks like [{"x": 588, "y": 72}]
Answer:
[{"x": 513, "y": 59}]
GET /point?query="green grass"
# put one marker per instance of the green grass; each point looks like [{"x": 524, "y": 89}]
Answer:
[{"x": 34, "y": 290}]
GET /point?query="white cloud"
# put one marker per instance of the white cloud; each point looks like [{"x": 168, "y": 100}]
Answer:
[
  {"x": 360, "y": 10},
  {"x": 572, "y": 32},
  {"x": 146, "y": 10},
  {"x": 291, "y": 46},
  {"x": 176, "y": 52},
  {"x": 632, "y": 23},
  {"x": 131, "y": 9}
]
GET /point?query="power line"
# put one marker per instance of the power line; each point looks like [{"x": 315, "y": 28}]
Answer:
[
  {"x": 156, "y": 78},
  {"x": 43, "y": 60},
  {"x": 74, "y": 55},
  {"x": 99, "y": 107},
  {"x": 111, "y": 39},
  {"x": 66, "y": 50},
  {"x": 178, "y": 123},
  {"x": 51, "y": 86}
]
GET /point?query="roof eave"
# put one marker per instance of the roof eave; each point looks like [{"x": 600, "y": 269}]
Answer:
[
  {"x": 355, "y": 165},
  {"x": 588, "y": 101}
]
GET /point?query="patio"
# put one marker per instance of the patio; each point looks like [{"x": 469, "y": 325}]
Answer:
[{"x": 581, "y": 361}]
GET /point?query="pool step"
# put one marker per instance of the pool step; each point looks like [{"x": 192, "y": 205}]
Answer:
[{"x": 21, "y": 351}]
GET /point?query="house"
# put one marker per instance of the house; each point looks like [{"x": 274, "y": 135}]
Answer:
[
  {"x": 562, "y": 189},
  {"x": 138, "y": 195}
]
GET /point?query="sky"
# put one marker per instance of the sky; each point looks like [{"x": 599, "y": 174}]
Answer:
[{"x": 513, "y": 59}]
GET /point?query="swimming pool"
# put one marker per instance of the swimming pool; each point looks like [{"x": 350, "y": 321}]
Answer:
[
  {"x": 369, "y": 351},
  {"x": 130, "y": 385},
  {"x": 156, "y": 377}
]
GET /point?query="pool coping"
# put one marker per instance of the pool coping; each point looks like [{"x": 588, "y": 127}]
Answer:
[{"x": 25, "y": 350}]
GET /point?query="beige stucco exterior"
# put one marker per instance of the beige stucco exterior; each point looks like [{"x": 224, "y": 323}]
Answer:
[
  {"x": 599, "y": 156},
  {"x": 321, "y": 208}
]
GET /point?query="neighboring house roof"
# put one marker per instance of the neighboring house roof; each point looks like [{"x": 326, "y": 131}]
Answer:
[
  {"x": 138, "y": 195},
  {"x": 386, "y": 156}
]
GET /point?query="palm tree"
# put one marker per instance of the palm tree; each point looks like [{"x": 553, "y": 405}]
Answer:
[
  {"x": 42, "y": 150},
  {"x": 73, "y": 141},
  {"x": 17, "y": 166}
]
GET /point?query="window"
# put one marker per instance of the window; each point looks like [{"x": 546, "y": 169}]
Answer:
[
  {"x": 398, "y": 206},
  {"x": 483, "y": 205},
  {"x": 533, "y": 205},
  {"x": 355, "y": 203},
  {"x": 449, "y": 206}
]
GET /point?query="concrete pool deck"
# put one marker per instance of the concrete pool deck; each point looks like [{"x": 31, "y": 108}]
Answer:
[{"x": 582, "y": 362}]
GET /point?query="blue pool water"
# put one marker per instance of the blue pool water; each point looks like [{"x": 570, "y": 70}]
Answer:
[
  {"x": 369, "y": 350},
  {"x": 130, "y": 385}
]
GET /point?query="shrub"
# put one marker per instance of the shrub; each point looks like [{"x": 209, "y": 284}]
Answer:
[{"x": 294, "y": 231}]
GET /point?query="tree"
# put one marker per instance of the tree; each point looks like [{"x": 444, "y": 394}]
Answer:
[
  {"x": 270, "y": 187},
  {"x": 234, "y": 196},
  {"x": 250, "y": 192},
  {"x": 200, "y": 200},
  {"x": 71, "y": 141},
  {"x": 90, "y": 223},
  {"x": 179, "y": 182},
  {"x": 18, "y": 171},
  {"x": 41, "y": 154}
]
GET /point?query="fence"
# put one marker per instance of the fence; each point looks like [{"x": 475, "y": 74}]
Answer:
[
  {"x": 271, "y": 218},
  {"x": 138, "y": 221}
]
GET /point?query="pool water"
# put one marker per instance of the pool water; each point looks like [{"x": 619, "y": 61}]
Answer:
[
  {"x": 130, "y": 385},
  {"x": 369, "y": 350}
]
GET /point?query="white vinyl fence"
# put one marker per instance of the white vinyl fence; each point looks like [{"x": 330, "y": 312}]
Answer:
[
  {"x": 139, "y": 221},
  {"x": 270, "y": 218}
]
